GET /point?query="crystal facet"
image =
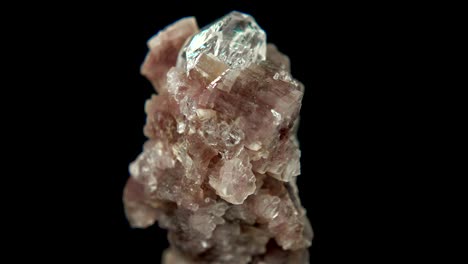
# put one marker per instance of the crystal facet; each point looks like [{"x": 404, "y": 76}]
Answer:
[
  {"x": 235, "y": 39},
  {"x": 219, "y": 168}
]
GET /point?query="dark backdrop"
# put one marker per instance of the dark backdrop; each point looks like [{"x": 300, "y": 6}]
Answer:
[{"x": 336, "y": 50}]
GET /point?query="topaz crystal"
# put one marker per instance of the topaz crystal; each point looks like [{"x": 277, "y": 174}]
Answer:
[
  {"x": 219, "y": 168},
  {"x": 235, "y": 39}
]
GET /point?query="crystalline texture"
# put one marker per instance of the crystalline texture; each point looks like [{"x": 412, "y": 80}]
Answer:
[
  {"x": 235, "y": 39},
  {"x": 219, "y": 168}
]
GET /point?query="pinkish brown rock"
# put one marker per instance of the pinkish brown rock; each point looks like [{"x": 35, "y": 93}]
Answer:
[
  {"x": 219, "y": 168},
  {"x": 164, "y": 48}
]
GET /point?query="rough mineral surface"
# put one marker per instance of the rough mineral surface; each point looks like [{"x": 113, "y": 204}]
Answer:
[{"x": 219, "y": 168}]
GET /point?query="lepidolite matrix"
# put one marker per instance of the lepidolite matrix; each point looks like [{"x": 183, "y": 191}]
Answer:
[{"x": 219, "y": 168}]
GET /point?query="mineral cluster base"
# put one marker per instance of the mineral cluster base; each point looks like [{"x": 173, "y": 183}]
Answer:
[{"x": 219, "y": 168}]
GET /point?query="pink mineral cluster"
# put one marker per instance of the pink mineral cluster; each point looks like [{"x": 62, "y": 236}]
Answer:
[{"x": 219, "y": 168}]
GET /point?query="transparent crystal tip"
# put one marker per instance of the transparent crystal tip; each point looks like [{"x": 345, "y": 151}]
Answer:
[{"x": 235, "y": 39}]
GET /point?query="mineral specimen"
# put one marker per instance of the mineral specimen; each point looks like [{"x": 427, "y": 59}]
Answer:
[{"x": 219, "y": 169}]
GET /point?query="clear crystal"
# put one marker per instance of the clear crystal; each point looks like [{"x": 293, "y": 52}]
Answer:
[{"x": 235, "y": 39}]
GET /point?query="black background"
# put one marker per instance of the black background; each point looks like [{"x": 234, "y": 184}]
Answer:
[{"x": 345, "y": 54}]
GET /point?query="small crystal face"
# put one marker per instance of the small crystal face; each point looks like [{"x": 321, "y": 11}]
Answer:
[{"x": 236, "y": 39}]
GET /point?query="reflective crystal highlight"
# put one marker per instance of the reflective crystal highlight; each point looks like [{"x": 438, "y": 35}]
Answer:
[{"x": 235, "y": 39}]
